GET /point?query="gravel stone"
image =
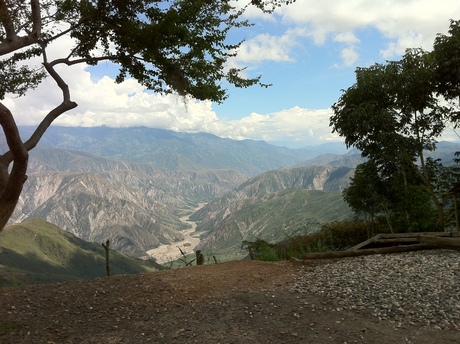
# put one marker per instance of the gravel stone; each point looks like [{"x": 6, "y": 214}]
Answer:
[{"x": 416, "y": 288}]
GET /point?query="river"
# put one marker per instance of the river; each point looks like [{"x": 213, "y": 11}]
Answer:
[{"x": 167, "y": 253}]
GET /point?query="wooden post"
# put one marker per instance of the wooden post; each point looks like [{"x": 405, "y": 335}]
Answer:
[
  {"x": 199, "y": 258},
  {"x": 456, "y": 211},
  {"x": 107, "y": 261}
]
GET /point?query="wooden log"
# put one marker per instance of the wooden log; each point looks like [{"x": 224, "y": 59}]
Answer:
[
  {"x": 442, "y": 242},
  {"x": 408, "y": 240},
  {"x": 416, "y": 234},
  {"x": 386, "y": 238},
  {"x": 365, "y": 252},
  {"x": 365, "y": 243}
]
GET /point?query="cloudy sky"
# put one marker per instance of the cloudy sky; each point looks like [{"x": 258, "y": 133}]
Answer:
[{"x": 308, "y": 51}]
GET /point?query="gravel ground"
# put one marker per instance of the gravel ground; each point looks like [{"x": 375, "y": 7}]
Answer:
[{"x": 414, "y": 288}]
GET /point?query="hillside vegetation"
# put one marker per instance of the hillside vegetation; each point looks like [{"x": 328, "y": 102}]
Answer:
[
  {"x": 274, "y": 206},
  {"x": 39, "y": 252}
]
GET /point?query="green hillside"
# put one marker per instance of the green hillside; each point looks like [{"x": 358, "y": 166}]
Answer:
[
  {"x": 39, "y": 252},
  {"x": 274, "y": 219}
]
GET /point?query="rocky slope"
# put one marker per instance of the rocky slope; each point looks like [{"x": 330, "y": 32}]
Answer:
[
  {"x": 132, "y": 185},
  {"x": 134, "y": 205},
  {"x": 274, "y": 205}
]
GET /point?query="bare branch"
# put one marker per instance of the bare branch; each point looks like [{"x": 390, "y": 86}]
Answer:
[
  {"x": 66, "y": 105},
  {"x": 69, "y": 62}
]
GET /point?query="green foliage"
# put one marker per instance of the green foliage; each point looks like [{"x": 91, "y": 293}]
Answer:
[
  {"x": 334, "y": 236},
  {"x": 394, "y": 114},
  {"x": 16, "y": 78},
  {"x": 175, "y": 45},
  {"x": 345, "y": 234},
  {"x": 447, "y": 54},
  {"x": 365, "y": 191},
  {"x": 388, "y": 114},
  {"x": 261, "y": 250}
]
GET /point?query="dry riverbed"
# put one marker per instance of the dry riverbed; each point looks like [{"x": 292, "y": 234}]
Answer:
[{"x": 168, "y": 253}]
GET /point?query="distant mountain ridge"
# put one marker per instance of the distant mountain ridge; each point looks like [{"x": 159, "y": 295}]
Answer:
[
  {"x": 174, "y": 151},
  {"x": 131, "y": 185}
]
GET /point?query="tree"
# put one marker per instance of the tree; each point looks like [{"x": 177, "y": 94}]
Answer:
[
  {"x": 447, "y": 54},
  {"x": 168, "y": 46},
  {"x": 364, "y": 195},
  {"x": 399, "y": 199},
  {"x": 392, "y": 114}
]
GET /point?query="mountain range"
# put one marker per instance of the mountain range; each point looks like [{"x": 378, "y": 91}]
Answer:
[
  {"x": 273, "y": 206},
  {"x": 175, "y": 151},
  {"x": 134, "y": 185}
]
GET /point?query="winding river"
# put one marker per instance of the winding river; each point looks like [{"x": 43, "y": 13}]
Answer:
[{"x": 167, "y": 253}]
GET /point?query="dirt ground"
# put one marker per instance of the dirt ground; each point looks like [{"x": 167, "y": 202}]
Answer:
[{"x": 234, "y": 302}]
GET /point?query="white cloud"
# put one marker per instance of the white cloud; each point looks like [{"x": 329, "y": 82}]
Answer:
[
  {"x": 405, "y": 24},
  {"x": 265, "y": 47},
  {"x": 122, "y": 105},
  {"x": 349, "y": 56},
  {"x": 346, "y": 37}
]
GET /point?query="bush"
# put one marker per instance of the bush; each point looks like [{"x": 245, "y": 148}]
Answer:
[
  {"x": 334, "y": 236},
  {"x": 346, "y": 234}
]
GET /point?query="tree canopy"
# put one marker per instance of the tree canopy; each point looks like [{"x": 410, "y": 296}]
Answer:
[
  {"x": 396, "y": 111},
  {"x": 168, "y": 46}
]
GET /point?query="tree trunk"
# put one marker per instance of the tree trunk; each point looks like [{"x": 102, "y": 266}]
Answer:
[{"x": 11, "y": 183}]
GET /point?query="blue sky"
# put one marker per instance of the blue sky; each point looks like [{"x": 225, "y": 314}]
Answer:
[{"x": 308, "y": 51}]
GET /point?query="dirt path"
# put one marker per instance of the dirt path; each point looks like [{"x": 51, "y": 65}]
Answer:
[{"x": 167, "y": 253}]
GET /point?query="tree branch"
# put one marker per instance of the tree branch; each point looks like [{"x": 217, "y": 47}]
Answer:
[
  {"x": 6, "y": 21},
  {"x": 65, "y": 106},
  {"x": 14, "y": 42},
  {"x": 36, "y": 19},
  {"x": 69, "y": 62},
  {"x": 11, "y": 184}
]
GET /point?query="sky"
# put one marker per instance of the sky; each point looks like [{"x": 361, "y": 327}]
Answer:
[{"x": 308, "y": 51}]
